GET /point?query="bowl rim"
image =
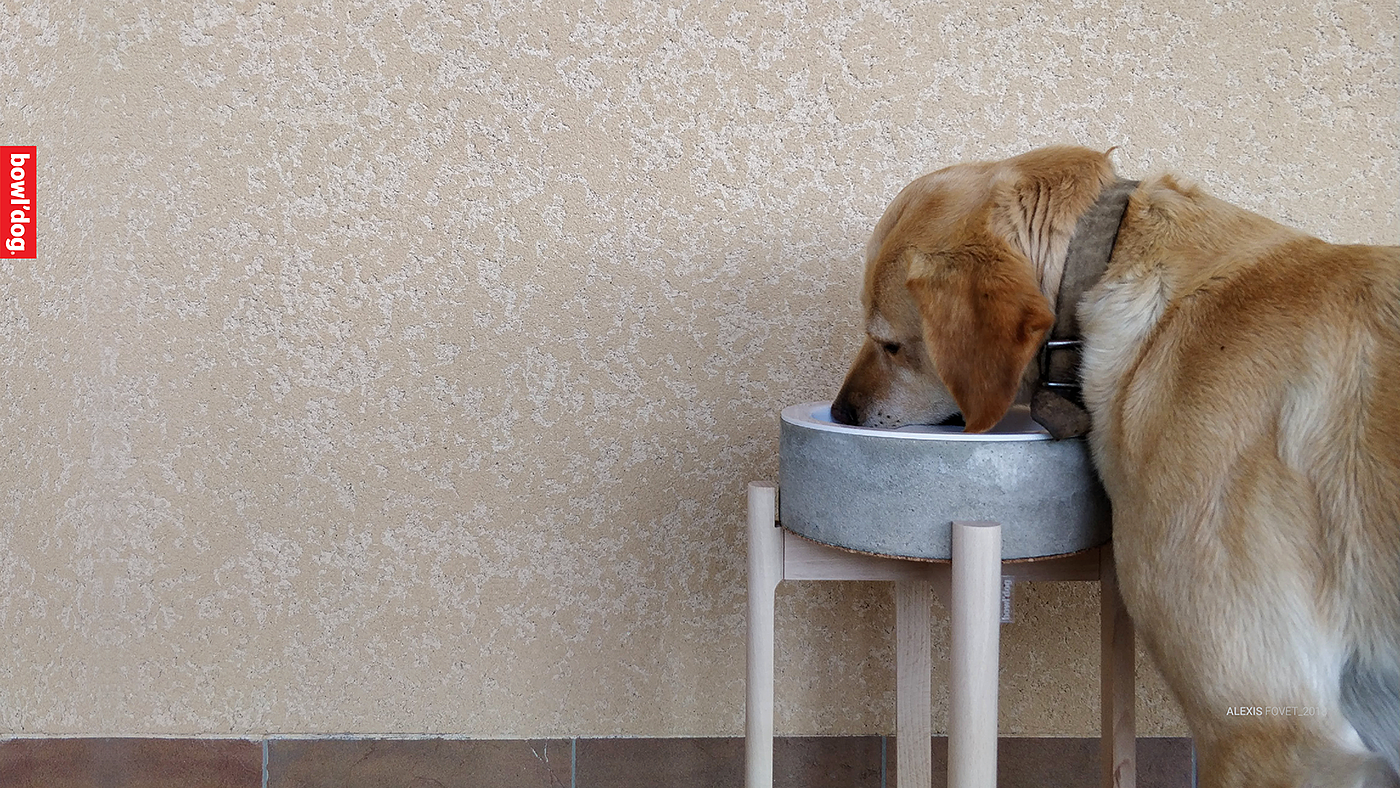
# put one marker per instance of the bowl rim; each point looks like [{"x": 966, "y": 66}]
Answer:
[{"x": 817, "y": 416}]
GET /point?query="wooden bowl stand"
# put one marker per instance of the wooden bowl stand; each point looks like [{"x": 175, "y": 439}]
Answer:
[{"x": 970, "y": 588}]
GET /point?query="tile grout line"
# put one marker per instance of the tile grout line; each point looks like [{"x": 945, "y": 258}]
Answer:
[
  {"x": 264, "y": 769},
  {"x": 573, "y": 763},
  {"x": 884, "y": 765}
]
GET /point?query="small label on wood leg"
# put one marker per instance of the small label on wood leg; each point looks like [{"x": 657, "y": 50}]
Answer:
[{"x": 1006, "y": 585}]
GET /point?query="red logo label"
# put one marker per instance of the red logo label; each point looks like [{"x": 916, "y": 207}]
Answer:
[{"x": 22, "y": 230}]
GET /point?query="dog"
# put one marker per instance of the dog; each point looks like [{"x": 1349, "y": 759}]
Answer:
[{"x": 1240, "y": 382}]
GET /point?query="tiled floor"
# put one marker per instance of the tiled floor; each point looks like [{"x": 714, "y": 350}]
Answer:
[{"x": 849, "y": 762}]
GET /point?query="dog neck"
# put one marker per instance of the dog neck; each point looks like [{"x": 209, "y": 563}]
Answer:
[{"x": 1056, "y": 403}]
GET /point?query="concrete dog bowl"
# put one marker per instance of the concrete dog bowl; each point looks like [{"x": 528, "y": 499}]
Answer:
[{"x": 895, "y": 492}]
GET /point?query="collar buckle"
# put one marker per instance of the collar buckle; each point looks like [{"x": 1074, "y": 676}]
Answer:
[{"x": 1049, "y": 380}]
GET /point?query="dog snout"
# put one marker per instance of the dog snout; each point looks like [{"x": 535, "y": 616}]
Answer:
[{"x": 843, "y": 411}]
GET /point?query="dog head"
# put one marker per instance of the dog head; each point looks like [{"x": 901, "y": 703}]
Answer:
[{"x": 955, "y": 282}]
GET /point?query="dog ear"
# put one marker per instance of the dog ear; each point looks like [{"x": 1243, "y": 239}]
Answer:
[{"x": 983, "y": 321}]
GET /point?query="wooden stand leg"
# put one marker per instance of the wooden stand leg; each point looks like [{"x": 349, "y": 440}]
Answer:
[
  {"x": 1118, "y": 747},
  {"x": 975, "y": 635},
  {"x": 913, "y": 665},
  {"x": 765, "y": 572}
]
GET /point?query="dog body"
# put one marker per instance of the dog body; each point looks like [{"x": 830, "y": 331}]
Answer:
[{"x": 1243, "y": 380}]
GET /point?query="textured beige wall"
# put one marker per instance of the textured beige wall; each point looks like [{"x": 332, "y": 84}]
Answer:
[{"x": 392, "y": 367}]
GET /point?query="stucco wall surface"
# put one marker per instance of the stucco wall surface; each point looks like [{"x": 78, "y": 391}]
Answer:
[{"x": 398, "y": 367}]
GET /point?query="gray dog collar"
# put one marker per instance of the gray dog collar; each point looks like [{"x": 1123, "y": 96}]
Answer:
[{"x": 1057, "y": 404}]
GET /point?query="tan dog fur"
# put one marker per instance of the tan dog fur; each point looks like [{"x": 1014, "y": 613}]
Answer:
[{"x": 1244, "y": 384}]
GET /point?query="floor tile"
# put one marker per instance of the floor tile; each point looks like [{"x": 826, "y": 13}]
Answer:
[
  {"x": 1035, "y": 762},
  {"x": 443, "y": 763},
  {"x": 827, "y": 762},
  {"x": 130, "y": 763},
  {"x": 798, "y": 762},
  {"x": 1164, "y": 763},
  {"x": 660, "y": 763}
]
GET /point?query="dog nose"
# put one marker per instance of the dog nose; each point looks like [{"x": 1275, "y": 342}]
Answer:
[{"x": 843, "y": 412}]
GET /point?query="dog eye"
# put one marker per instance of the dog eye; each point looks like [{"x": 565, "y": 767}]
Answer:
[{"x": 890, "y": 347}]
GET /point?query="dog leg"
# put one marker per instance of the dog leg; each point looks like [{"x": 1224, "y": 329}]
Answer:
[{"x": 1285, "y": 753}]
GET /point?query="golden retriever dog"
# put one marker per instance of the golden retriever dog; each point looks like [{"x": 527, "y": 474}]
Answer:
[{"x": 1241, "y": 385}]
